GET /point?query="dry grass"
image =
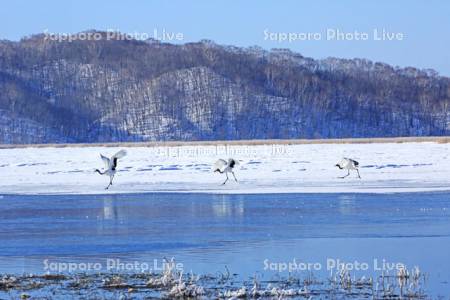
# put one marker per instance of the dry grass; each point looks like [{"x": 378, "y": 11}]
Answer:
[
  {"x": 435, "y": 139},
  {"x": 173, "y": 284}
]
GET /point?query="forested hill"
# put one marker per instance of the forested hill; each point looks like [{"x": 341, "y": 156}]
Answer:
[{"x": 127, "y": 90}]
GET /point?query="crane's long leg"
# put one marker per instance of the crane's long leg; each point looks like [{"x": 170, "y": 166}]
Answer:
[
  {"x": 110, "y": 182},
  {"x": 225, "y": 179},
  {"x": 348, "y": 174},
  {"x": 359, "y": 176},
  {"x": 234, "y": 176}
]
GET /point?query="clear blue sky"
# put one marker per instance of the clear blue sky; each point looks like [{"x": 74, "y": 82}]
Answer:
[{"x": 425, "y": 24}]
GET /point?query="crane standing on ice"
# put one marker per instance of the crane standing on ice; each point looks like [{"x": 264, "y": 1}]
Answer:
[
  {"x": 111, "y": 165},
  {"x": 222, "y": 166},
  {"x": 348, "y": 164}
]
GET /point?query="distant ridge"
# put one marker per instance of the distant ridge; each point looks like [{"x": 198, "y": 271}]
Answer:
[{"x": 99, "y": 91}]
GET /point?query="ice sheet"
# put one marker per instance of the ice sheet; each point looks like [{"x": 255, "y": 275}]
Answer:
[{"x": 384, "y": 167}]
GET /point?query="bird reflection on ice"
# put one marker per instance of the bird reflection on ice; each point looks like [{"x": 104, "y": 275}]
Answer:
[
  {"x": 225, "y": 206},
  {"x": 110, "y": 211}
]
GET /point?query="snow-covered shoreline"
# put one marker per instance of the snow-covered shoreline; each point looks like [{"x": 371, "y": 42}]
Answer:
[{"x": 283, "y": 168}]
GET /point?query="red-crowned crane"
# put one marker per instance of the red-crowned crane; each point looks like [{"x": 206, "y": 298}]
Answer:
[
  {"x": 223, "y": 166},
  {"x": 348, "y": 164},
  {"x": 111, "y": 165}
]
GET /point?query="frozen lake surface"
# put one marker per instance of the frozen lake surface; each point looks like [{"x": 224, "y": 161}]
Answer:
[
  {"x": 308, "y": 168},
  {"x": 248, "y": 234}
]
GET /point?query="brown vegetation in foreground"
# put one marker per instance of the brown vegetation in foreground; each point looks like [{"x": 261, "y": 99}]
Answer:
[{"x": 174, "y": 284}]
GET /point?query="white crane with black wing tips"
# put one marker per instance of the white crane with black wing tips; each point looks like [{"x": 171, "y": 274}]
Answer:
[
  {"x": 111, "y": 165},
  {"x": 223, "y": 166},
  {"x": 348, "y": 164}
]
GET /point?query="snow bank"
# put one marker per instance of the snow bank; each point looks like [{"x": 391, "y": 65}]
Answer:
[{"x": 385, "y": 168}]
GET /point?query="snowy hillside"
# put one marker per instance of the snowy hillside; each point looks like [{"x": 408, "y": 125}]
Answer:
[{"x": 106, "y": 91}]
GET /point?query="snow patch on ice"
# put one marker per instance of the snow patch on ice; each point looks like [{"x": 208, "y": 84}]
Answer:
[{"x": 385, "y": 168}]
